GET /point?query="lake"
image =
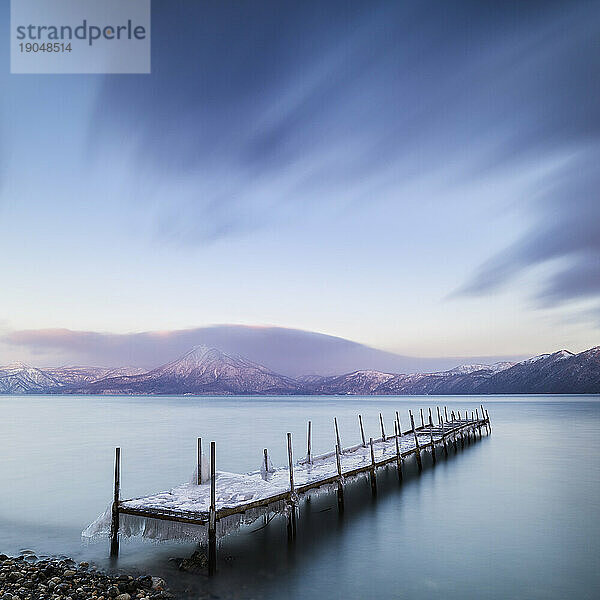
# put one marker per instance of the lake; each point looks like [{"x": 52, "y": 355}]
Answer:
[{"x": 515, "y": 515}]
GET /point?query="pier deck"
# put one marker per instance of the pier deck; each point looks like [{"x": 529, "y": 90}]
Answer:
[{"x": 219, "y": 502}]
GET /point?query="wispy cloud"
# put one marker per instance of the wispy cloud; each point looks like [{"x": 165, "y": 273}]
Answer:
[
  {"x": 259, "y": 117},
  {"x": 566, "y": 232}
]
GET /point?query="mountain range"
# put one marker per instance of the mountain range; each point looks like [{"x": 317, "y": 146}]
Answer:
[{"x": 209, "y": 371}]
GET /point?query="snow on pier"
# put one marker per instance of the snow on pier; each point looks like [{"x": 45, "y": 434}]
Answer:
[{"x": 218, "y": 502}]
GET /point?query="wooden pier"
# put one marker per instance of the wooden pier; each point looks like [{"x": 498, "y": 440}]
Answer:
[{"x": 217, "y": 503}]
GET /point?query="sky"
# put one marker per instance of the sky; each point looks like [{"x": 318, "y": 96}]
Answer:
[{"x": 420, "y": 177}]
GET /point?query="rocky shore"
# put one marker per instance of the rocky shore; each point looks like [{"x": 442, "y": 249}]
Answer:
[{"x": 27, "y": 578}]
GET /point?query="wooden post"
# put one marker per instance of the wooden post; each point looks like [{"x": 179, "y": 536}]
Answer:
[
  {"x": 422, "y": 422},
  {"x": 454, "y": 433},
  {"x": 439, "y": 415},
  {"x": 382, "y": 427},
  {"x": 199, "y": 470},
  {"x": 337, "y": 433},
  {"x": 340, "y": 490},
  {"x": 373, "y": 476},
  {"x": 362, "y": 431},
  {"x": 266, "y": 461},
  {"x": 114, "y": 524},
  {"x": 487, "y": 420},
  {"x": 446, "y": 414},
  {"x": 478, "y": 423},
  {"x": 417, "y": 447},
  {"x": 444, "y": 440},
  {"x": 430, "y": 419},
  {"x": 399, "y": 425},
  {"x": 432, "y": 445},
  {"x": 212, "y": 514},
  {"x": 309, "y": 448},
  {"x": 292, "y": 515},
  {"x": 398, "y": 454}
]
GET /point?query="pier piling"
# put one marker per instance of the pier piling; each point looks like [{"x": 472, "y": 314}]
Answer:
[
  {"x": 362, "y": 431},
  {"x": 373, "y": 476},
  {"x": 340, "y": 488},
  {"x": 212, "y": 514},
  {"x": 199, "y": 461},
  {"x": 114, "y": 525}
]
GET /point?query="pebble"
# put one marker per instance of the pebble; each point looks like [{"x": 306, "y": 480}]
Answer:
[{"x": 27, "y": 578}]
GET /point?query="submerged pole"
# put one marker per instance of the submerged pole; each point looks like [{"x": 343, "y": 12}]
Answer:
[
  {"x": 114, "y": 524},
  {"x": 309, "y": 449},
  {"x": 417, "y": 447},
  {"x": 212, "y": 513},
  {"x": 373, "y": 476},
  {"x": 362, "y": 431}
]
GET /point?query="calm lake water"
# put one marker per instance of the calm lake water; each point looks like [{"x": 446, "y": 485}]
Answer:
[{"x": 515, "y": 515}]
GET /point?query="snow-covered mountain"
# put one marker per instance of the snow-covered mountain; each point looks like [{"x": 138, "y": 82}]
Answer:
[
  {"x": 202, "y": 370},
  {"x": 19, "y": 378},
  {"x": 205, "y": 370},
  {"x": 358, "y": 382}
]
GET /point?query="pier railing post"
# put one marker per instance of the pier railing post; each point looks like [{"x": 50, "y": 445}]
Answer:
[
  {"x": 199, "y": 461},
  {"x": 454, "y": 433},
  {"x": 309, "y": 444},
  {"x": 362, "y": 431},
  {"x": 399, "y": 425},
  {"x": 373, "y": 475},
  {"x": 382, "y": 427},
  {"x": 337, "y": 433},
  {"x": 417, "y": 447},
  {"x": 114, "y": 524},
  {"x": 212, "y": 513},
  {"x": 398, "y": 454},
  {"x": 444, "y": 439},
  {"x": 340, "y": 489},
  {"x": 439, "y": 415},
  {"x": 292, "y": 503},
  {"x": 422, "y": 421},
  {"x": 430, "y": 418},
  {"x": 446, "y": 414}
]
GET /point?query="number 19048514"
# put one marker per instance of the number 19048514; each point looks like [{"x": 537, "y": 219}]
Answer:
[{"x": 45, "y": 47}]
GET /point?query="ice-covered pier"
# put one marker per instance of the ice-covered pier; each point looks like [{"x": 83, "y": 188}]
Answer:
[{"x": 217, "y": 503}]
